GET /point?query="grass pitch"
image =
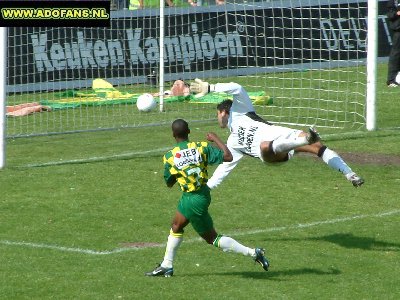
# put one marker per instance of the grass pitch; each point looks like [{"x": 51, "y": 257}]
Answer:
[
  {"x": 72, "y": 206},
  {"x": 66, "y": 227}
]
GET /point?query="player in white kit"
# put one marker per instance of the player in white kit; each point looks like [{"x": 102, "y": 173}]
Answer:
[{"x": 253, "y": 136}]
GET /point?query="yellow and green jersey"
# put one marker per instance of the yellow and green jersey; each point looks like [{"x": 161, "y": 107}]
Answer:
[{"x": 187, "y": 164}]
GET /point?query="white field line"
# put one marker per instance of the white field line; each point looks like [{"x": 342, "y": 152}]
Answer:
[
  {"x": 96, "y": 158},
  {"x": 125, "y": 249},
  {"x": 108, "y": 157},
  {"x": 133, "y": 154}
]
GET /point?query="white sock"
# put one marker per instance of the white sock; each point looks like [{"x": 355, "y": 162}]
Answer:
[
  {"x": 228, "y": 244},
  {"x": 173, "y": 243},
  {"x": 286, "y": 143}
]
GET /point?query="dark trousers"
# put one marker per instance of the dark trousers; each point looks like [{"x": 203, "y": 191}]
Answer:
[{"x": 394, "y": 58}]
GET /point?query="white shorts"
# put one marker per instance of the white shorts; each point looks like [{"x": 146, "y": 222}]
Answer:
[
  {"x": 249, "y": 134},
  {"x": 270, "y": 133}
]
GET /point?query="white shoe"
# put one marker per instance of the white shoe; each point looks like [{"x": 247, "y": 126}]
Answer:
[{"x": 355, "y": 179}]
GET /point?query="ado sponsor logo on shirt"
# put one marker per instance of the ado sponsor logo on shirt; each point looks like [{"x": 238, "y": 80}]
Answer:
[{"x": 187, "y": 157}]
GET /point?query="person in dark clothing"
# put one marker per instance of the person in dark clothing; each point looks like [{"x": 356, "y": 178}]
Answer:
[{"x": 393, "y": 15}]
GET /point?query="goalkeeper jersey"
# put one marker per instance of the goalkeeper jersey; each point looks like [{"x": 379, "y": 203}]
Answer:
[
  {"x": 247, "y": 129},
  {"x": 187, "y": 164},
  {"x": 245, "y": 126}
]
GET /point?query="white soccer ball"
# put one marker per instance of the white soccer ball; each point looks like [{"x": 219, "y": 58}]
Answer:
[{"x": 146, "y": 102}]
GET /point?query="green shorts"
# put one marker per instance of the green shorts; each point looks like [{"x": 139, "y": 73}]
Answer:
[{"x": 194, "y": 206}]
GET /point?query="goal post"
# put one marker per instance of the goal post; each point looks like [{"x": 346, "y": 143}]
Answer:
[
  {"x": 372, "y": 64},
  {"x": 305, "y": 62},
  {"x": 3, "y": 94}
]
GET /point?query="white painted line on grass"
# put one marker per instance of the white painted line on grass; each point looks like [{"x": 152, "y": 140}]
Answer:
[
  {"x": 61, "y": 248},
  {"x": 312, "y": 224},
  {"x": 125, "y": 249},
  {"x": 96, "y": 158}
]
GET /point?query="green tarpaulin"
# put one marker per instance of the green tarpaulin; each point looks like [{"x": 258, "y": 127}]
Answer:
[{"x": 103, "y": 93}]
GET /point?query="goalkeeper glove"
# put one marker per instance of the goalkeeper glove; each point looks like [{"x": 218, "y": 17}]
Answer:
[{"x": 201, "y": 88}]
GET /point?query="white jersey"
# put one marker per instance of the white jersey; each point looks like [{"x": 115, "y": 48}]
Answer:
[{"x": 247, "y": 129}]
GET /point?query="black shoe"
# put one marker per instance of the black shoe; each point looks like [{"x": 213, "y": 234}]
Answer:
[
  {"x": 261, "y": 259},
  {"x": 312, "y": 136},
  {"x": 160, "y": 271}
]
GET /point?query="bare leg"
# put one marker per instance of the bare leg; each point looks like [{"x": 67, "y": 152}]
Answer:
[{"x": 277, "y": 150}]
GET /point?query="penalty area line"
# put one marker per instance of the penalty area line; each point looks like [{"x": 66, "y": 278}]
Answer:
[
  {"x": 126, "y": 249},
  {"x": 96, "y": 158},
  {"x": 61, "y": 248},
  {"x": 317, "y": 223}
]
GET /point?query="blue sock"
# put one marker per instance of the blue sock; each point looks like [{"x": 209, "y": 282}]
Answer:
[{"x": 332, "y": 159}]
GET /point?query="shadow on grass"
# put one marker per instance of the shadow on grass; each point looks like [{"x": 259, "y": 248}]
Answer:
[
  {"x": 348, "y": 240},
  {"x": 275, "y": 275}
]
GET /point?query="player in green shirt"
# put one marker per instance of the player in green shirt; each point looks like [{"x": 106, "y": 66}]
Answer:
[{"x": 187, "y": 164}]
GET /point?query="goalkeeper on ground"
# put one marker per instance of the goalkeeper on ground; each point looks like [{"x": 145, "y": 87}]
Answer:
[{"x": 253, "y": 136}]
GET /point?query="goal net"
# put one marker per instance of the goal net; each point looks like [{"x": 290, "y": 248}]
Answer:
[{"x": 303, "y": 63}]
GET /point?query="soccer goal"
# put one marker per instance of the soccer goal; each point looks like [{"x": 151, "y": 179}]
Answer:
[{"x": 303, "y": 62}]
